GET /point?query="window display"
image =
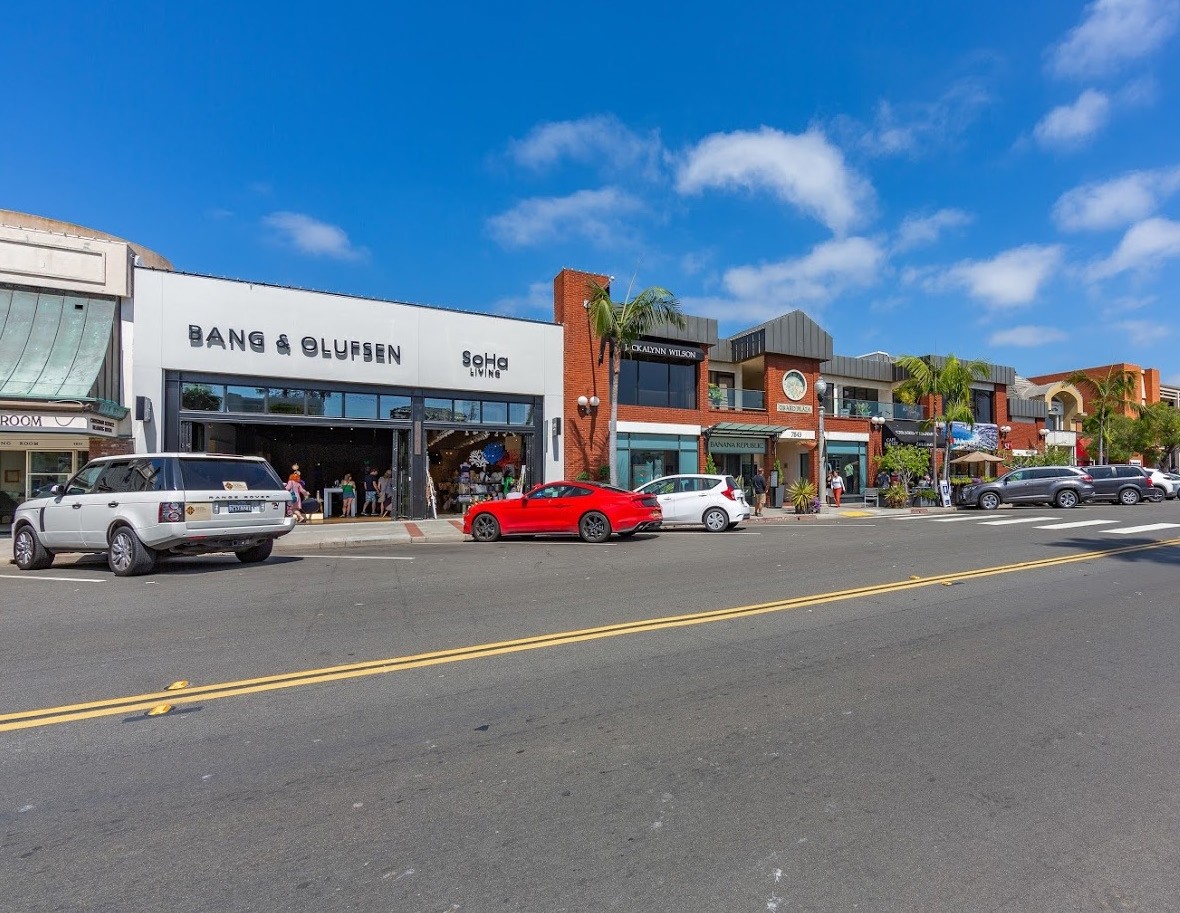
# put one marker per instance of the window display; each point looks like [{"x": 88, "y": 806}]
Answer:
[{"x": 467, "y": 467}]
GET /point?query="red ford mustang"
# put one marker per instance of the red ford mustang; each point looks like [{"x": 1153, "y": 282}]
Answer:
[{"x": 585, "y": 509}]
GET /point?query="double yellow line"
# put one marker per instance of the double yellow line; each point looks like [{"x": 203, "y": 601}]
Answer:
[{"x": 200, "y": 694}]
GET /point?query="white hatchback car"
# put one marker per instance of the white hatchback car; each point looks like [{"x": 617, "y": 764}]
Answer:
[
  {"x": 1164, "y": 480},
  {"x": 136, "y": 508},
  {"x": 714, "y": 500}
]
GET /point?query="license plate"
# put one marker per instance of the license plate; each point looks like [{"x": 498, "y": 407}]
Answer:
[{"x": 238, "y": 508}]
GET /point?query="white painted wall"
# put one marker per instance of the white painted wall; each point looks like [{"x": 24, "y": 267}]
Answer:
[{"x": 430, "y": 343}]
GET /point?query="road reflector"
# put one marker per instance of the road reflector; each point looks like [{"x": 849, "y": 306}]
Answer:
[
  {"x": 160, "y": 710},
  {"x": 176, "y": 686},
  {"x": 915, "y": 577}
]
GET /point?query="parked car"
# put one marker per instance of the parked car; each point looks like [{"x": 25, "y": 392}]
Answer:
[
  {"x": 714, "y": 500},
  {"x": 587, "y": 509},
  {"x": 137, "y": 508},
  {"x": 1062, "y": 486},
  {"x": 1167, "y": 482},
  {"x": 1120, "y": 484}
]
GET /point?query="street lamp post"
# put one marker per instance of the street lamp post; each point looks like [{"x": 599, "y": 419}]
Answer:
[{"x": 821, "y": 388}]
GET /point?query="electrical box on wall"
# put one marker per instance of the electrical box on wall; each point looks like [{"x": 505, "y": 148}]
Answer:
[{"x": 143, "y": 409}]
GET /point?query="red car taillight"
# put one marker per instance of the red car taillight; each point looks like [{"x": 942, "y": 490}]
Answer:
[
  {"x": 649, "y": 502},
  {"x": 1149, "y": 482},
  {"x": 1087, "y": 478},
  {"x": 171, "y": 512},
  {"x": 729, "y": 490}
]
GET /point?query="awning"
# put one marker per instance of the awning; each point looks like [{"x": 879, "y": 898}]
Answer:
[
  {"x": 901, "y": 431},
  {"x": 54, "y": 347},
  {"x": 741, "y": 437}
]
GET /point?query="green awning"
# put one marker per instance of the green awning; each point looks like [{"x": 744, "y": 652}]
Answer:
[
  {"x": 53, "y": 346},
  {"x": 742, "y": 429}
]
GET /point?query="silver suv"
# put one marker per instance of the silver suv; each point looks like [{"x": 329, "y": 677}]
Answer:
[
  {"x": 1062, "y": 486},
  {"x": 136, "y": 508}
]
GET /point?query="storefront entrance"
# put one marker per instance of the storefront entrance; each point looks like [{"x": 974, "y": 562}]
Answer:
[
  {"x": 31, "y": 465},
  {"x": 467, "y": 467}
]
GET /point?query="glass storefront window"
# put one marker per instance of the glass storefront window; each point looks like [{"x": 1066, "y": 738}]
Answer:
[
  {"x": 850, "y": 459},
  {"x": 657, "y": 383},
  {"x": 467, "y": 410},
  {"x": 245, "y": 399},
  {"x": 285, "y": 402},
  {"x": 643, "y": 457},
  {"x": 520, "y": 414},
  {"x": 439, "y": 410},
  {"x": 495, "y": 413},
  {"x": 360, "y": 405},
  {"x": 398, "y": 407},
  {"x": 327, "y": 403},
  {"x": 51, "y": 461},
  {"x": 202, "y": 397}
]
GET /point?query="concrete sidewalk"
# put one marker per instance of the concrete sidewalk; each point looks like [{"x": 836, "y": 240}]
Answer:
[{"x": 406, "y": 532}]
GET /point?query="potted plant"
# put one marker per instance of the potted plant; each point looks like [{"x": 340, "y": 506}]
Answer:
[
  {"x": 604, "y": 473},
  {"x": 715, "y": 395},
  {"x": 802, "y": 495},
  {"x": 925, "y": 497},
  {"x": 895, "y": 496}
]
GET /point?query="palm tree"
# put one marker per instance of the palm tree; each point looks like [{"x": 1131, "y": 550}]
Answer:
[
  {"x": 1111, "y": 397},
  {"x": 948, "y": 381},
  {"x": 618, "y": 324}
]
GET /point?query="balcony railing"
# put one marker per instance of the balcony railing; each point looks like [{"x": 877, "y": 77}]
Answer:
[
  {"x": 864, "y": 408},
  {"x": 736, "y": 399}
]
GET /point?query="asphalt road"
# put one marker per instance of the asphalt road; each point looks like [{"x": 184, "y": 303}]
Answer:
[{"x": 544, "y": 725}]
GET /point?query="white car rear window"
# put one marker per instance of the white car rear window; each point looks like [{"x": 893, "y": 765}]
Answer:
[{"x": 212, "y": 474}]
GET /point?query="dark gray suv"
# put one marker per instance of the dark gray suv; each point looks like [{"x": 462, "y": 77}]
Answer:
[
  {"x": 1062, "y": 486},
  {"x": 1121, "y": 484}
]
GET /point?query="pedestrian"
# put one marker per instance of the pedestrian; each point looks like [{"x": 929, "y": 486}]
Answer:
[
  {"x": 883, "y": 479},
  {"x": 837, "y": 486},
  {"x": 759, "y": 491},
  {"x": 385, "y": 493},
  {"x": 348, "y": 494},
  {"x": 298, "y": 493},
  {"x": 372, "y": 482}
]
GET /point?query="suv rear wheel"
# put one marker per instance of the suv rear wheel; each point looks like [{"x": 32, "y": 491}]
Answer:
[
  {"x": 127, "y": 555},
  {"x": 1129, "y": 496},
  {"x": 1067, "y": 498},
  {"x": 256, "y": 553},
  {"x": 989, "y": 500}
]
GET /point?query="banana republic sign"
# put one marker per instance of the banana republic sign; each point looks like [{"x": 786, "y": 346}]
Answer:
[{"x": 241, "y": 340}]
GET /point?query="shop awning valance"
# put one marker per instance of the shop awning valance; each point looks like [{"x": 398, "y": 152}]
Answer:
[{"x": 53, "y": 346}]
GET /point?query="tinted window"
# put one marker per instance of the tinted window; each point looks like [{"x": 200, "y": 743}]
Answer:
[
  {"x": 285, "y": 402},
  {"x": 202, "y": 397},
  {"x": 211, "y": 473},
  {"x": 395, "y": 407},
  {"x": 360, "y": 405},
  {"x": 657, "y": 383},
  {"x": 659, "y": 487},
  {"x": 1100, "y": 472},
  {"x": 245, "y": 399},
  {"x": 83, "y": 482},
  {"x": 1016, "y": 476},
  {"x": 574, "y": 491},
  {"x": 133, "y": 475},
  {"x": 1059, "y": 472},
  {"x": 520, "y": 413},
  {"x": 547, "y": 491},
  {"x": 1128, "y": 472}
]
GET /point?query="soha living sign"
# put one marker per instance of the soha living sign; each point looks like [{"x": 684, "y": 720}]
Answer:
[{"x": 241, "y": 340}]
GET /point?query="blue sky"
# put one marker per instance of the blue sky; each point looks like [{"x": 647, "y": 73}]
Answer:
[{"x": 998, "y": 180}]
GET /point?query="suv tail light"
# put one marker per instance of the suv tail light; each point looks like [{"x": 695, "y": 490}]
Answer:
[
  {"x": 1149, "y": 482},
  {"x": 1086, "y": 477},
  {"x": 171, "y": 512},
  {"x": 290, "y": 512},
  {"x": 729, "y": 490}
]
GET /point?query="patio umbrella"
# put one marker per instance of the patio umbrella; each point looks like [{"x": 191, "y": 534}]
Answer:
[{"x": 976, "y": 457}]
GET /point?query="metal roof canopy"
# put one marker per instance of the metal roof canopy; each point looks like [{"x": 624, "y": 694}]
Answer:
[
  {"x": 53, "y": 346},
  {"x": 740, "y": 429}
]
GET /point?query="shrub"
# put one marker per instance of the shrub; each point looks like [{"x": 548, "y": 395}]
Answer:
[
  {"x": 801, "y": 493},
  {"x": 895, "y": 496}
]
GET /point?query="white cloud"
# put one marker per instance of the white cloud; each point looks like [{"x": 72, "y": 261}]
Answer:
[
  {"x": 311, "y": 236},
  {"x": 829, "y": 268},
  {"x": 804, "y": 170},
  {"x": 1027, "y": 336},
  {"x": 592, "y": 214},
  {"x": 1117, "y": 202},
  {"x": 602, "y": 139},
  {"x": 1009, "y": 279},
  {"x": 917, "y": 127},
  {"x": 1142, "y": 332},
  {"x": 1071, "y": 125},
  {"x": 1145, "y": 245},
  {"x": 1112, "y": 33},
  {"x": 916, "y": 231},
  {"x": 537, "y": 299}
]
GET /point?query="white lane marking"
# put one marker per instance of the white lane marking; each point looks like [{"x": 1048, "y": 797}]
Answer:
[
  {"x": 59, "y": 579},
  {"x": 350, "y": 557},
  {"x": 1149, "y": 528},
  {"x": 729, "y": 534},
  {"x": 952, "y": 519},
  {"x": 1017, "y": 520},
  {"x": 1077, "y": 524}
]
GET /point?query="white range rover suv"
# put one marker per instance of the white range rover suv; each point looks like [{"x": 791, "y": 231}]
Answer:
[{"x": 136, "y": 508}]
